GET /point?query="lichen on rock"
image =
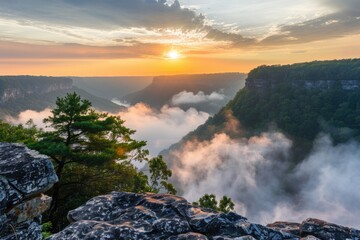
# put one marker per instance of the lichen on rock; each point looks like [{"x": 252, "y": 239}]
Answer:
[{"x": 24, "y": 176}]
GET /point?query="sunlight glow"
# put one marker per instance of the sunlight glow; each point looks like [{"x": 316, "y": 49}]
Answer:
[{"x": 173, "y": 54}]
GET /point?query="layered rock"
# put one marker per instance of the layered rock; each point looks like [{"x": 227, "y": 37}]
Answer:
[
  {"x": 156, "y": 216},
  {"x": 160, "y": 216},
  {"x": 24, "y": 176},
  {"x": 317, "y": 229},
  {"x": 13, "y": 87},
  {"x": 264, "y": 85}
]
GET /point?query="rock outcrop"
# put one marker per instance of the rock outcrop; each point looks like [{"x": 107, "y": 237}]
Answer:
[
  {"x": 24, "y": 176},
  {"x": 264, "y": 85},
  {"x": 160, "y": 216},
  {"x": 317, "y": 229},
  {"x": 13, "y": 87}
]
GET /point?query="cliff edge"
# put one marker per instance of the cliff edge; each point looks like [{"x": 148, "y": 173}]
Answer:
[{"x": 121, "y": 215}]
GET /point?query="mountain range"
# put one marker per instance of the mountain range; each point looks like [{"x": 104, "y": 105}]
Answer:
[{"x": 205, "y": 92}]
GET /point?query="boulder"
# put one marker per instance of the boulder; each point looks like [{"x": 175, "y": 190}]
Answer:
[
  {"x": 132, "y": 216},
  {"x": 324, "y": 230},
  {"x": 24, "y": 176},
  {"x": 313, "y": 229},
  {"x": 122, "y": 215},
  {"x": 289, "y": 227}
]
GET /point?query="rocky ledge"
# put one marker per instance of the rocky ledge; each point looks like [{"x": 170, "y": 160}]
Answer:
[
  {"x": 128, "y": 216},
  {"x": 24, "y": 176}
]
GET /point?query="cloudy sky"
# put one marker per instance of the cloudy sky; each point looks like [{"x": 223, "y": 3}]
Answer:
[{"x": 151, "y": 37}]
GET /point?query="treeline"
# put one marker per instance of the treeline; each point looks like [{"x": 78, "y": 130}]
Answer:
[
  {"x": 299, "y": 112},
  {"x": 348, "y": 69}
]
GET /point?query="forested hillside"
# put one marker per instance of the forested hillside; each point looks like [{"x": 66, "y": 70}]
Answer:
[
  {"x": 290, "y": 99},
  {"x": 111, "y": 87},
  {"x": 20, "y": 93},
  {"x": 163, "y": 88},
  {"x": 299, "y": 110},
  {"x": 348, "y": 69}
]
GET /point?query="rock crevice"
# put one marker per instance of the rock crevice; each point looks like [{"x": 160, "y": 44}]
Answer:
[
  {"x": 128, "y": 216},
  {"x": 24, "y": 176}
]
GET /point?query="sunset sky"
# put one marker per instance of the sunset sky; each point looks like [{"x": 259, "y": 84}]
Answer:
[{"x": 153, "y": 37}]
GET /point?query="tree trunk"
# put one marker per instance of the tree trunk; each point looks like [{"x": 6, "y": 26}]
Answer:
[{"x": 55, "y": 195}]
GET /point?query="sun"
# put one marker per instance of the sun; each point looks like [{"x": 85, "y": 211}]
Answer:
[{"x": 173, "y": 54}]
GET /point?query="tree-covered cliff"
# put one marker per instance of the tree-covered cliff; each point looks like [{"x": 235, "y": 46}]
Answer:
[
  {"x": 298, "y": 110},
  {"x": 20, "y": 93},
  {"x": 348, "y": 69},
  {"x": 300, "y": 100}
]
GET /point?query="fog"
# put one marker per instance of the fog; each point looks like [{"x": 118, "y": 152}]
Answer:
[
  {"x": 186, "y": 97},
  {"x": 35, "y": 116},
  {"x": 159, "y": 128},
  {"x": 255, "y": 173}
]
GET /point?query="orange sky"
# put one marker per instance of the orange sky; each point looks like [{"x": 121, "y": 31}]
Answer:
[
  {"x": 34, "y": 43},
  {"x": 224, "y": 61}
]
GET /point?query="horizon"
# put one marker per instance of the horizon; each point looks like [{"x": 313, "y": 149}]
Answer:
[
  {"x": 169, "y": 75},
  {"x": 159, "y": 37}
]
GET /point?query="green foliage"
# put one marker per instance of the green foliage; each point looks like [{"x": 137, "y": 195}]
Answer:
[
  {"x": 209, "y": 201},
  {"x": 159, "y": 174},
  {"x": 318, "y": 70},
  {"x": 92, "y": 153},
  {"x": 226, "y": 205},
  {"x": 298, "y": 111},
  {"x": 18, "y": 133},
  {"x": 46, "y": 229}
]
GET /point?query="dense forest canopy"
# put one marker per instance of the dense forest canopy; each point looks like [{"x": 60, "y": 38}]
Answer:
[
  {"x": 348, "y": 69},
  {"x": 299, "y": 112}
]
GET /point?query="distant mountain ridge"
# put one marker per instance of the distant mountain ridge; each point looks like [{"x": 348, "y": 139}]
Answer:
[
  {"x": 163, "y": 88},
  {"x": 111, "y": 87},
  {"x": 12, "y": 87},
  {"x": 20, "y": 93}
]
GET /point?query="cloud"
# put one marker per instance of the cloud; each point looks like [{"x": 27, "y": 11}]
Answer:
[
  {"x": 120, "y": 103},
  {"x": 342, "y": 5},
  {"x": 161, "y": 128},
  {"x": 238, "y": 168},
  {"x": 237, "y": 40},
  {"x": 112, "y": 24},
  {"x": 330, "y": 181},
  {"x": 257, "y": 175},
  {"x": 330, "y": 26},
  {"x": 104, "y": 14},
  {"x": 12, "y": 50},
  {"x": 343, "y": 21},
  {"x": 186, "y": 97},
  {"x": 25, "y": 116}
]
